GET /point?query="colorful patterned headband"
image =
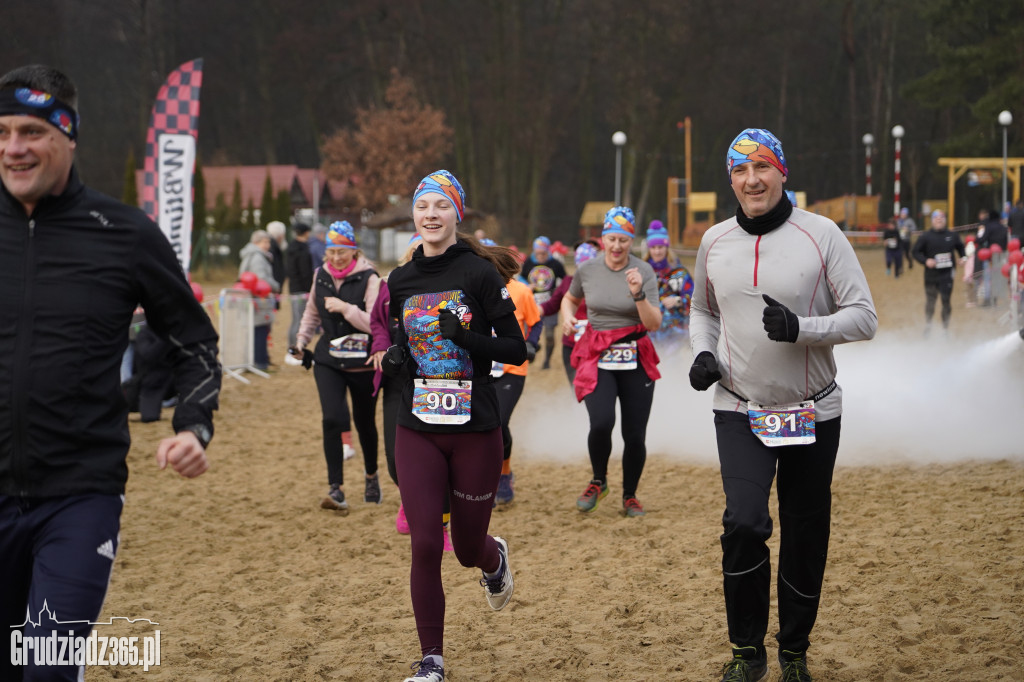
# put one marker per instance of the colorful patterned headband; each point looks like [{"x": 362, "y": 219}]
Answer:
[
  {"x": 756, "y": 144},
  {"x": 619, "y": 220},
  {"x": 584, "y": 252},
  {"x": 444, "y": 183},
  {"x": 39, "y": 104},
  {"x": 341, "y": 235}
]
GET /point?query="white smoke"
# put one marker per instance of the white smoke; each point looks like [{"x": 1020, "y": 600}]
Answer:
[{"x": 906, "y": 400}]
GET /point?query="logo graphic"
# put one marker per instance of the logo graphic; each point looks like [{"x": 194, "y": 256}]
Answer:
[
  {"x": 33, "y": 98},
  {"x": 57, "y": 649},
  {"x": 62, "y": 120},
  {"x": 106, "y": 549}
]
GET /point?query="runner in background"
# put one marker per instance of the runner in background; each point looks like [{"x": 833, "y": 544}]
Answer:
[
  {"x": 777, "y": 407},
  {"x": 344, "y": 291},
  {"x": 448, "y": 300},
  {"x": 675, "y": 289},
  {"x": 543, "y": 273},
  {"x": 583, "y": 251},
  {"x": 937, "y": 250},
  {"x": 614, "y": 358},
  {"x": 509, "y": 380}
]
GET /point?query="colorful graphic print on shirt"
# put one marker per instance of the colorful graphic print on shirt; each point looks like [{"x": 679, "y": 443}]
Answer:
[{"x": 437, "y": 358}]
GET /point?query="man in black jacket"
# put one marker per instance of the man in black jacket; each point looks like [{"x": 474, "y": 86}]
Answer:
[
  {"x": 73, "y": 266},
  {"x": 300, "y": 276},
  {"x": 936, "y": 249}
]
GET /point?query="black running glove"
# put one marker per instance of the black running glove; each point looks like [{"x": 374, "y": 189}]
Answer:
[
  {"x": 450, "y": 326},
  {"x": 531, "y": 351},
  {"x": 780, "y": 322},
  {"x": 704, "y": 371},
  {"x": 393, "y": 361},
  {"x": 306, "y": 356}
]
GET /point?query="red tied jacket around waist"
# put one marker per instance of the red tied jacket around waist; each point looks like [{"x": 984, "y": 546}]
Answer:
[{"x": 590, "y": 346}]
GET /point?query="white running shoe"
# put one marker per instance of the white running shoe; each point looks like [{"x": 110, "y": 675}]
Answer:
[
  {"x": 426, "y": 671},
  {"x": 292, "y": 361},
  {"x": 499, "y": 590}
]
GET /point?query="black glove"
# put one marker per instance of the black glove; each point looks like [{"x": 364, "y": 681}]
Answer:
[
  {"x": 450, "y": 326},
  {"x": 704, "y": 371},
  {"x": 531, "y": 351},
  {"x": 307, "y": 356},
  {"x": 393, "y": 361},
  {"x": 780, "y": 322}
]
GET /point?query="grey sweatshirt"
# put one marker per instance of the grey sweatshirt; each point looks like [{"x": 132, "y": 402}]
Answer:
[{"x": 808, "y": 265}]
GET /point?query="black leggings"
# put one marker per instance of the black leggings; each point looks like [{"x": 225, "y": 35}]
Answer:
[
  {"x": 805, "y": 513},
  {"x": 332, "y": 384},
  {"x": 938, "y": 289},
  {"x": 391, "y": 387},
  {"x": 509, "y": 388},
  {"x": 635, "y": 393}
]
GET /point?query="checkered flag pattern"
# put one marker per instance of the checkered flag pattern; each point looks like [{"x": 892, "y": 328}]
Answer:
[{"x": 176, "y": 111}]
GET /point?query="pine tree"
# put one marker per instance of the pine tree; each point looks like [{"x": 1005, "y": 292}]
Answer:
[{"x": 266, "y": 205}]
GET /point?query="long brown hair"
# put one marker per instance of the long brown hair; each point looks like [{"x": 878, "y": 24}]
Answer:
[{"x": 502, "y": 257}]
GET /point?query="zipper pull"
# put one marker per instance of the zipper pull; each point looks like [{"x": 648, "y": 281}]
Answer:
[{"x": 31, "y": 227}]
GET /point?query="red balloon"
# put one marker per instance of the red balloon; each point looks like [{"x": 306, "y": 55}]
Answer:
[
  {"x": 984, "y": 253},
  {"x": 197, "y": 291},
  {"x": 1015, "y": 257},
  {"x": 261, "y": 288},
  {"x": 968, "y": 239},
  {"x": 996, "y": 248},
  {"x": 1013, "y": 245},
  {"x": 248, "y": 280},
  {"x": 1005, "y": 269}
]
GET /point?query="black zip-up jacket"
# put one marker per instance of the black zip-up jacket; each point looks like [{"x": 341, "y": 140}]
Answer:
[
  {"x": 71, "y": 275},
  {"x": 942, "y": 245}
]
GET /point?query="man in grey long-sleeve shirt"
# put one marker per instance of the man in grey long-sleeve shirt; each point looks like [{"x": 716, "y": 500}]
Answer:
[{"x": 776, "y": 288}]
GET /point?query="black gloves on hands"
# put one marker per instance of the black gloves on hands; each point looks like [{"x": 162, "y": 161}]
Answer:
[
  {"x": 704, "y": 371},
  {"x": 531, "y": 351},
  {"x": 450, "y": 326},
  {"x": 779, "y": 321},
  {"x": 393, "y": 361},
  {"x": 306, "y": 356}
]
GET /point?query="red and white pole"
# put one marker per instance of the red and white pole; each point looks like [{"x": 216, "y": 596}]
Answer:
[
  {"x": 897, "y": 133},
  {"x": 868, "y": 140}
]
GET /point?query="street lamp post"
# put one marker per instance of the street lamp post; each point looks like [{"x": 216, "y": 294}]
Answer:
[
  {"x": 619, "y": 140},
  {"x": 1005, "y": 119},
  {"x": 868, "y": 140},
  {"x": 897, "y": 133}
]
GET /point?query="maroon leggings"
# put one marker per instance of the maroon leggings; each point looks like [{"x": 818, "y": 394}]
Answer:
[{"x": 467, "y": 466}]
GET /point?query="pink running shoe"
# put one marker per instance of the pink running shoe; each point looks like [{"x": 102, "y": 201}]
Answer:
[
  {"x": 401, "y": 523},
  {"x": 448, "y": 547}
]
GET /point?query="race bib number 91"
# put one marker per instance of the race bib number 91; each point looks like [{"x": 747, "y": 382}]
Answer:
[
  {"x": 777, "y": 425},
  {"x": 442, "y": 401}
]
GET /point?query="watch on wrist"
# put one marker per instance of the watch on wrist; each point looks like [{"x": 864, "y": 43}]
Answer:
[
  {"x": 202, "y": 432},
  {"x": 639, "y": 297}
]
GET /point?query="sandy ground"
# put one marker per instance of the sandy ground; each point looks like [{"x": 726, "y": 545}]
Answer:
[{"x": 250, "y": 580}]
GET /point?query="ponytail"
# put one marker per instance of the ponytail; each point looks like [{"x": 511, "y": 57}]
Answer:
[{"x": 503, "y": 258}]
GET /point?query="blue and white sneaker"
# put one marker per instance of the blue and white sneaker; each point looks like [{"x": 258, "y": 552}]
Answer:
[
  {"x": 426, "y": 671},
  {"x": 499, "y": 589}
]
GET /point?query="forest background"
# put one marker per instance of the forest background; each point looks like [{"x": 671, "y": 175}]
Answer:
[{"x": 524, "y": 96}]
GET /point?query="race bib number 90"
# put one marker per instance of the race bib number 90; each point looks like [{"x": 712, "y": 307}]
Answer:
[
  {"x": 777, "y": 425},
  {"x": 618, "y": 356},
  {"x": 442, "y": 401}
]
